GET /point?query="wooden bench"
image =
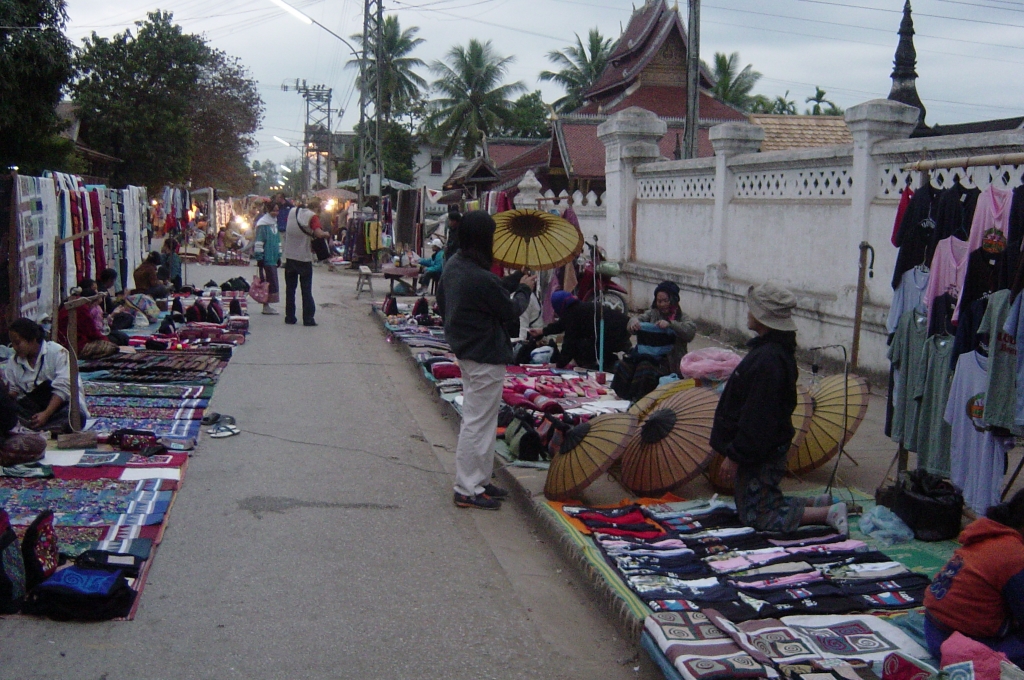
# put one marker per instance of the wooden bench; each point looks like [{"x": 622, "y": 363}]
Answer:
[{"x": 365, "y": 281}]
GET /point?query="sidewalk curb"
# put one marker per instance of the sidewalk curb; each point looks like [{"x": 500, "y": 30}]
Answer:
[{"x": 628, "y": 625}]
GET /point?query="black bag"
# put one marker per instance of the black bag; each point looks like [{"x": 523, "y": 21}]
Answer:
[
  {"x": 321, "y": 251},
  {"x": 122, "y": 321},
  {"x": 81, "y": 594},
  {"x": 931, "y": 506},
  {"x": 522, "y": 438},
  {"x": 104, "y": 559}
]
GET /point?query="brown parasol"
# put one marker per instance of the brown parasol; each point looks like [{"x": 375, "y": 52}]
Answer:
[
  {"x": 534, "y": 240},
  {"x": 671, "y": 445},
  {"x": 643, "y": 405},
  {"x": 827, "y": 423},
  {"x": 722, "y": 471},
  {"x": 586, "y": 452}
]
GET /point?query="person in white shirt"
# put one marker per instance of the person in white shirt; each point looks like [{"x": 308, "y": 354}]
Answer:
[{"x": 38, "y": 376}]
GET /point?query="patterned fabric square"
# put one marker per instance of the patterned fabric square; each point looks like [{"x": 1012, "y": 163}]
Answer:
[
  {"x": 39, "y": 550},
  {"x": 12, "y": 568}
]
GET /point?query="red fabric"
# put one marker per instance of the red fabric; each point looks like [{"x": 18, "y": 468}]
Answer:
[
  {"x": 653, "y": 533},
  {"x": 987, "y": 662},
  {"x": 971, "y": 584},
  {"x": 87, "y": 328},
  {"x": 443, "y": 370},
  {"x": 514, "y": 399},
  {"x": 905, "y": 197},
  {"x": 634, "y": 517},
  {"x": 314, "y": 223}
]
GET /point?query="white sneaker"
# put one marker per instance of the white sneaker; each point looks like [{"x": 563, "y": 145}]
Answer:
[{"x": 267, "y": 309}]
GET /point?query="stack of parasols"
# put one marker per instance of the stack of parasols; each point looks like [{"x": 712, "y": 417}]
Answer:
[{"x": 663, "y": 441}]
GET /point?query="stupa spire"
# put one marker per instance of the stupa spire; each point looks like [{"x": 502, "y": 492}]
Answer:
[{"x": 904, "y": 73}]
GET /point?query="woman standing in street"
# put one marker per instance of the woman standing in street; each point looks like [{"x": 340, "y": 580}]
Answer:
[
  {"x": 267, "y": 252},
  {"x": 477, "y": 310}
]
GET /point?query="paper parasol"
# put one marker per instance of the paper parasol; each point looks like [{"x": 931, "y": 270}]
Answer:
[
  {"x": 587, "y": 451},
  {"x": 722, "y": 471},
  {"x": 671, "y": 445},
  {"x": 644, "y": 404},
  {"x": 535, "y": 240},
  {"x": 826, "y": 426}
]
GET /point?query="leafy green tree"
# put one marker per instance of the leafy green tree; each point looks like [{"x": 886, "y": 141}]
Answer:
[
  {"x": 529, "y": 118},
  {"x": 266, "y": 176},
  {"x": 581, "y": 66},
  {"x": 226, "y": 114},
  {"x": 35, "y": 65},
  {"x": 163, "y": 101},
  {"x": 400, "y": 85},
  {"x": 818, "y": 99},
  {"x": 399, "y": 146},
  {"x": 473, "y": 100},
  {"x": 781, "y": 105},
  {"x": 732, "y": 84}
]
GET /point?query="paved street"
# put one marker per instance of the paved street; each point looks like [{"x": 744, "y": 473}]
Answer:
[{"x": 322, "y": 542}]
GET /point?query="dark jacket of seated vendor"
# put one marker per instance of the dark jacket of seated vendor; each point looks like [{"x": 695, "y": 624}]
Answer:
[
  {"x": 476, "y": 309},
  {"x": 577, "y": 321}
]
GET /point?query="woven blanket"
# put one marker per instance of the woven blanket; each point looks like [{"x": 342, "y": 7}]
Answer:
[
  {"x": 101, "y": 502},
  {"x": 146, "y": 412},
  {"x": 176, "y": 429},
  {"x": 137, "y": 390},
  {"x": 146, "y": 402}
]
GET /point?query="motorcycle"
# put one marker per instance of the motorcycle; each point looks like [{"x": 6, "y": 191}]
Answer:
[{"x": 615, "y": 296}]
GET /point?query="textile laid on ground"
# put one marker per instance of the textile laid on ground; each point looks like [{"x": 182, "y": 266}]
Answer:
[
  {"x": 146, "y": 412},
  {"x": 176, "y": 429},
  {"x": 136, "y": 390}
]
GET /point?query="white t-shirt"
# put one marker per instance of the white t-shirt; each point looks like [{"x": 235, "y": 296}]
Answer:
[{"x": 976, "y": 456}]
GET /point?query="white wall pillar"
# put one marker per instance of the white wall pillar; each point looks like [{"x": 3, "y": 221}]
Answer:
[
  {"x": 630, "y": 138},
  {"x": 871, "y": 122},
  {"x": 728, "y": 140}
]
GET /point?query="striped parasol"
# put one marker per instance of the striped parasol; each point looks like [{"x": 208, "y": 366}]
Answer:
[
  {"x": 586, "y": 452},
  {"x": 826, "y": 425}
]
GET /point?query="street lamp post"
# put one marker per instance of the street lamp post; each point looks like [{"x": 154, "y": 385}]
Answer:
[{"x": 361, "y": 57}]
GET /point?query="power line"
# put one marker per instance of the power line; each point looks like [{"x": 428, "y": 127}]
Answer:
[{"x": 916, "y": 14}]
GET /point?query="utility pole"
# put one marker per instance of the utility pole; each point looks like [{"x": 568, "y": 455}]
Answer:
[
  {"x": 370, "y": 157},
  {"x": 317, "y": 141},
  {"x": 692, "y": 80}
]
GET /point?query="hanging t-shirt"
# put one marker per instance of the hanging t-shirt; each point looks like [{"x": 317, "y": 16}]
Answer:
[
  {"x": 977, "y": 458},
  {"x": 909, "y": 295},
  {"x": 915, "y": 237},
  {"x": 1015, "y": 326},
  {"x": 954, "y": 211},
  {"x": 991, "y": 224},
  {"x": 906, "y": 353},
  {"x": 986, "y": 272},
  {"x": 933, "y": 432},
  {"x": 949, "y": 267},
  {"x": 1001, "y": 395}
]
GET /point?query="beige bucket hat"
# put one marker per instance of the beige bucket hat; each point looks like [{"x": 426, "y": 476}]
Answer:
[{"x": 772, "y": 305}]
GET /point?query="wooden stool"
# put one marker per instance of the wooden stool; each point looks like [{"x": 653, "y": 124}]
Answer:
[{"x": 365, "y": 281}]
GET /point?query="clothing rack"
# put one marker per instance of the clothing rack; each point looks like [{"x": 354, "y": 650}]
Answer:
[{"x": 967, "y": 161}]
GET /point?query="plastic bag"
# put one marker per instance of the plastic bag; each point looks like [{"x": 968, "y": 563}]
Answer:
[
  {"x": 884, "y": 526},
  {"x": 711, "y": 362}
]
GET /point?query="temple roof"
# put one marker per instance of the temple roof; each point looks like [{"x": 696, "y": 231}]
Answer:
[
  {"x": 649, "y": 29},
  {"x": 665, "y": 102},
  {"x": 801, "y": 132}
]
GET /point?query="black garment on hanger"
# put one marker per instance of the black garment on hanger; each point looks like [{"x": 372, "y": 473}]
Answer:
[
  {"x": 941, "y": 322},
  {"x": 916, "y": 235},
  {"x": 986, "y": 273},
  {"x": 955, "y": 211},
  {"x": 967, "y": 329},
  {"x": 1016, "y": 231}
]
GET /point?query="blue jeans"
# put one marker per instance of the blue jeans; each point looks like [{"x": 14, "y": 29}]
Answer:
[{"x": 298, "y": 274}]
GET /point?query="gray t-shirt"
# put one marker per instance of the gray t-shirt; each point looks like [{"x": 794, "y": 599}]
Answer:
[
  {"x": 933, "y": 432},
  {"x": 297, "y": 246},
  {"x": 905, "y": 353},
  {"x": 1001, "y": 396}
]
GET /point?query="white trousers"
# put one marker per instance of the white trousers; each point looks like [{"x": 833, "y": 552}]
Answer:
[{"x": 481, "y": 398}]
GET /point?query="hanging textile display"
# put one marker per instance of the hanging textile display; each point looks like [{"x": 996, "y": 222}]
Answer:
[
  {"x": 955, "y": 321},
  {"x": 37, "y": 231}
]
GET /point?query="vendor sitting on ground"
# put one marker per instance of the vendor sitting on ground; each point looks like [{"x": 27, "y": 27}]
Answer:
[
  {"x": 431, "y": 266},
  {"x": 171, "y": 260},
  {"x": 147, "y": 278},
  {"x": 753, "y": 425},
  {"x": 579, "y": 321},
  {"x": 663, "y": 334},
  {"x": 38, "y": 376},
  {"x": 88, "y": 325},
  {"x": 980, "y": 591},
  {"x": 107, "y": 284}
]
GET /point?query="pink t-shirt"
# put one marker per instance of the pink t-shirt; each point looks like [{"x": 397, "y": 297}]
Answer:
[
  {"x": 991, "y": 222},
  {"x": 949, "y": 267}
]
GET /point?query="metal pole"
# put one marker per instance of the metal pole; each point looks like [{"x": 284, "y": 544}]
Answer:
[{"x": 692, "y": 80}]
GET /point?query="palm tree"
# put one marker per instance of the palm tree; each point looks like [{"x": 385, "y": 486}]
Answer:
[
  {"x": 819, "y": 99},
  {"x": 581, "y": 67},
  {"x": 780, "y": 105},
  {"x": 732, "y": 85},
  {"x": 473, "y": 102},
  {"x": 399, "y": 85}
]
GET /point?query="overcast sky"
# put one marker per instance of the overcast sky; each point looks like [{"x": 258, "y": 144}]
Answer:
[{"x": 970, "y": 52}]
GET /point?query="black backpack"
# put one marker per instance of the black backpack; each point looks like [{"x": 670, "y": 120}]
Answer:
[{"x": 81, "y": 594}]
